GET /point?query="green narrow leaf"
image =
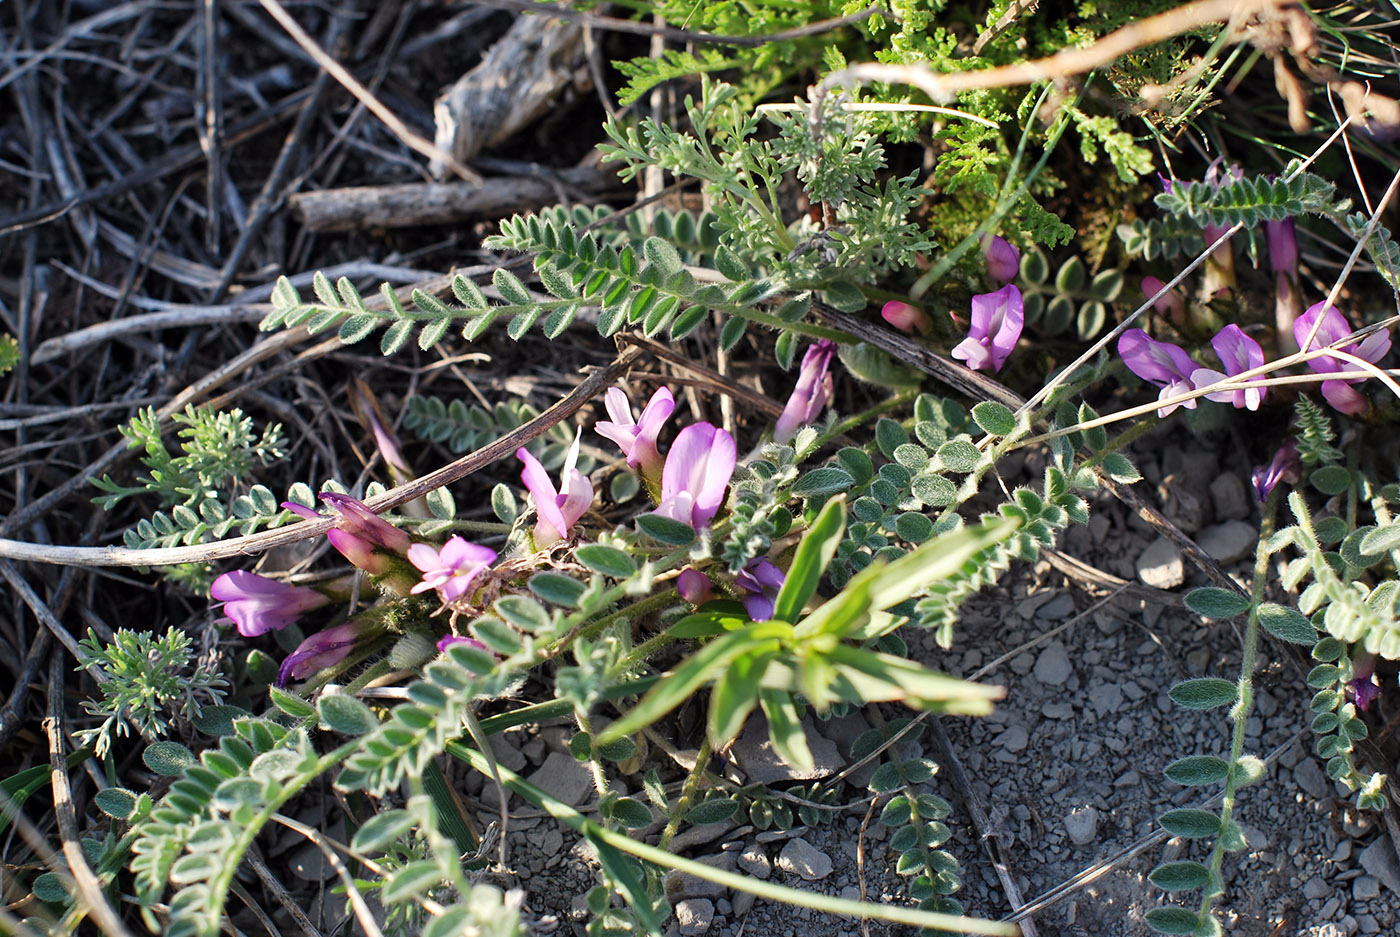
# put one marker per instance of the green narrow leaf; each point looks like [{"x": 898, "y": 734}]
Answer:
[
  {"x": 1204, "y": 693},
  {"x": 665, "y": 530},
  {"x": 557, "y": 588},
  {"x": 166, "y": 758},
  {"x": 1190, "y": 823},
  {"x": 1179, "y": 876},
  {"x": 995, "y": 418},
  {"x": 510, "y": 288},
  {"x": 609, "y": 561},
  {"x": 411, "y": 881},
  {"x": 813, "y": 555},
  {"x": 1172, "y": 920},
  {"x": 1198, "y": 770},
  {"x": 785, "y": 729},
  {"x": 1212, "y": 602},
  {"x": 345, "y": 714},
  {"x": 1287, "y": 624},
  {"x": 734, "y": 696}
]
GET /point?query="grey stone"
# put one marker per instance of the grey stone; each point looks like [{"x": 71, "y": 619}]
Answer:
[
  {"x": 1160, "y": 565},
  {"x": 1230, "y": 541},
  {"x": 1022, "y": 663},
  {"x": 754, "y": 860},
  {"x": 1082, "y": 825},
  {"x": 1014, "y": 739},
  {"x": 1229, "y": 498},
  {"x": 551, "y": 842},
  {"x": 1106, "y": 698},
  {"x": 800, "y": 857},
  {"x": 694, "y": 916},
  {"x": 743, "y": 901},
  {"x": 1052, "y": 666},
  {"x": 563, "y": 778},
  {"x": 1365, "y": 888},
  {"x": 1380, "y": 861},
  {"x": 1312, "y": 779},
  {"x": 679, "y": 885},
  {"x": 1057, "y": 609},
  {"x": 508, "y": 754},
  {"x": 1057, "y": 711},
  {"x": 1315, "y": 889},
  {"x": 754, "y": 754}
]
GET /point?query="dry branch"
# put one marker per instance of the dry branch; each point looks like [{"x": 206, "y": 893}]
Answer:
[{"x": 402, "y": 206}]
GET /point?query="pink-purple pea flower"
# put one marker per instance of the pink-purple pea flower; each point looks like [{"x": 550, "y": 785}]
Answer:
[
  {"x": 258, "y": 605},
  {"x": 1003, "y": 259},
  {"x": 761, "y": 580},
  {"x": 694, "y": 586},
  {"x": 452, "y": 569},
  {"x": 1288, "y": 299},
  {"x": 1330, "y": 331},
  {"x": 1160, "y": 363},
  {"x": 1363, "y": 688},
  {"x": 697, "y": 472},
  {"x": 997, "y": 320},
  {"x": 1286, "y": 466},
  {"x": 558, "y": 509},
  {"x": 905, "y": 317},
  {"x": 451, "y": 639},
  {"x": 1170, "y": 304},
  {"x": 812, "y": 392},
  {"x": 637, "y": 438},
  {"x": 326, "y": 649},
  {"x": 1239, "y": 353},
  {"x": 362, "y": 537}
]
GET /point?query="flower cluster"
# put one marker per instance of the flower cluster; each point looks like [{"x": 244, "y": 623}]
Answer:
[
  {"x": 998, "y": 317},
  {"x": 1169, "y": 367}
]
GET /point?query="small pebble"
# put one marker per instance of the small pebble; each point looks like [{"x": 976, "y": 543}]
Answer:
[
  {"x": 800, "y": 857},
  {"x": 1014, "y": 739},
  {"x": 1052, "y": 666},
  {"x": 1082, "y": 825},
  {"x": 694, "y": 916}
]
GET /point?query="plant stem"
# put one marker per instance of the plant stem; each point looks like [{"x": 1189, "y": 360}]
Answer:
[
  {"x": 1240, "y": 713},
  {"x": 688, "y": 789},
  {"x": 816, "y": 901}
]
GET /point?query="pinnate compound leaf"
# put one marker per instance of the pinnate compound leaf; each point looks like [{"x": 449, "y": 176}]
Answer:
[
  {"x": 1198, "y": 770},
  {"x": 1204, "y": 693},
  {"x": 1213, "y": 602}
]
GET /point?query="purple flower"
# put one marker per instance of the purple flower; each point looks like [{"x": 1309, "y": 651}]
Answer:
[
  {"x": 905, "y": 317},
  {"x": 357, "y": 520},
  {"x": 558, "y": 510},
  {"x": 1160, "y": 363},
  {"x": 326, "y": 649},
  {"x": 1239, "y": 353},
  {"x": 762, "y": 580},
  {"x": 1285, "y": 467},
  {"x": 697, "y": 472},
  {"x": 810, "y": 395},
  {"x": 637, "y": 439},
  {"x": 1170, "y": 305},
  {"x": 1288, "y": 299},
  {"x": 1332, "y": 330},
  {"x": 1363, "y": 688},
  {"x": 452, "y": 569},
  {"x": 1283, "y": 245},
  {"x": 694, "y": 586},
  {"x": 259, "y": 605},
  {"x": 997, "y": 319},
  {"x": 451, "y": 639},
  {"x": 1003, "y": 260}
]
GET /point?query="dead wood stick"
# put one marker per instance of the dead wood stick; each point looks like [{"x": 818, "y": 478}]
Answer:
[
  {"x": 89, "y": 888},
  {"x": 408, "y": 205}
]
